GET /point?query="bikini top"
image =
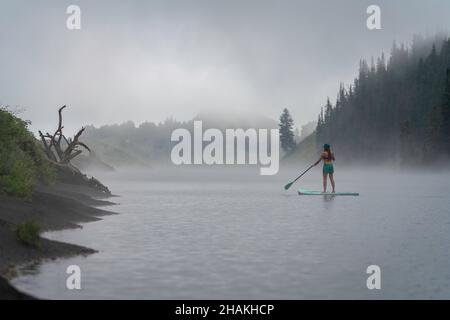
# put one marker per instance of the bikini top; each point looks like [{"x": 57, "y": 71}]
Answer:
[{"x": 329, "y": 157}]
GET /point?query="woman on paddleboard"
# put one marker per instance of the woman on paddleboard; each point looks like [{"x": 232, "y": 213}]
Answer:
[{"x": 328, "y": 157}]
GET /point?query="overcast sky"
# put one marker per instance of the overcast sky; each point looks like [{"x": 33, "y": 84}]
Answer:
[{"x": 147, "y": 60}]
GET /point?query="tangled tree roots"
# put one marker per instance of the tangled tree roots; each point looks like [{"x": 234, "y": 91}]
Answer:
[
  {"x": 58, "y": 148},
  {"x": 60, "y": 151}
]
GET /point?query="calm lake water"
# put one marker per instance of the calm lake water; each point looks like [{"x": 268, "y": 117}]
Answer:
[{"x": 240, "y": 236}]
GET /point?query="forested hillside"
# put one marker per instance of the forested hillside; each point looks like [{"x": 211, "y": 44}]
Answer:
[
  {"x": 396, "y": 110},
  {"x": 149, "y": 144}
]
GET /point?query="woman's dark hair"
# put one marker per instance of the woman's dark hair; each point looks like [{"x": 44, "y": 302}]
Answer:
[{"x": 327, "y": 149}]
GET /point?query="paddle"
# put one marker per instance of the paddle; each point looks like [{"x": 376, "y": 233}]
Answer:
[{"x": 291, "y": 183}]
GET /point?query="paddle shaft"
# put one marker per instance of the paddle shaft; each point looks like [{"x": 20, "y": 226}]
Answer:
[{"x": 303, "y": 173}]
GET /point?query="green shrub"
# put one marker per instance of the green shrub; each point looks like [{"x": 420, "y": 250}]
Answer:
[
  {"x": 19, "y": 180},
  {"x": 29, "y": 233},
  {"x": 22, "y": 161}
]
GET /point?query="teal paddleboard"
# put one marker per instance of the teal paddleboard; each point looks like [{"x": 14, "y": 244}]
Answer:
[{"x": 305, "y": 192}]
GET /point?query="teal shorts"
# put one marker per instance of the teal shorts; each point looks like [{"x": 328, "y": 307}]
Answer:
[{"x": 328, "y": 168}]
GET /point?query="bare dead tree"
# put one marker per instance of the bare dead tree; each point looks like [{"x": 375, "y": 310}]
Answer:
[
  {"x": 58, "y": 148},
  {"x": 61, "y": 150}
]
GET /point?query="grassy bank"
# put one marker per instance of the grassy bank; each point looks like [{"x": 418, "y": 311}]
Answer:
[{"x": 37, "y": 196}]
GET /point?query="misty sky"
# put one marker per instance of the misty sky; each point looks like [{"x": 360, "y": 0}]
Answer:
[{"x": 147, "y": 60}]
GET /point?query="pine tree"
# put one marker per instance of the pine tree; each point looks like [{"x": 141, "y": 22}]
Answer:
[
  {"x": 328, "y": 110},
  {"x": 445, "y": 115},
  {"x": 286, "y": 131}
]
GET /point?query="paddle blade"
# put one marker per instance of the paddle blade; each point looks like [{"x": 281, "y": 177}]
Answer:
[{"x": 288, "y": 185}]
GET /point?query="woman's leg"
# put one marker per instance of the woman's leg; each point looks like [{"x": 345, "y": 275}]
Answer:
[
  {"x": 332, "y": 181},
  {"x": 325, "y": 182}
]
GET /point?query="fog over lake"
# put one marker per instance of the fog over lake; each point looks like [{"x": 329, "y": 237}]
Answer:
[
  {"x": 197, "y": 116},
  {"x": 232, "y": 234}
]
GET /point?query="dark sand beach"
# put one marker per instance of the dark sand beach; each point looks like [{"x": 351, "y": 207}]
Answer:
[{"x": 56, "y": 207}]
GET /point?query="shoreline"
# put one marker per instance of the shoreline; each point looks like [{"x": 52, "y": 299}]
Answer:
[{"x": 58, "y": 207}]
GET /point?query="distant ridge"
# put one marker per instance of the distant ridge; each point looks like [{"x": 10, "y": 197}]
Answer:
[
  {"x": 223, "y": 120},
  {"x": 127, "y": 145}
]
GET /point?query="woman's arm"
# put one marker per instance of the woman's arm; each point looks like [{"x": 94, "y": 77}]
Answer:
[{"x": 318, "y": 161}]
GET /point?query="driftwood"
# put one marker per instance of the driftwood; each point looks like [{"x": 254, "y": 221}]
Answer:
[{"x": 58, "y": 148}]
